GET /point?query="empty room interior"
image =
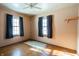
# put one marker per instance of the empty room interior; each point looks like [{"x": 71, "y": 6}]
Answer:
[{"x": 39, "y": 29}]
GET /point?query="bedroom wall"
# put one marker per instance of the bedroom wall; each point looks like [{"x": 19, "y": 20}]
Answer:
[
  {"x": 64, "y": 34},
  {"x": 3, "y": 40},
  {"x": 78, "y": 34}
]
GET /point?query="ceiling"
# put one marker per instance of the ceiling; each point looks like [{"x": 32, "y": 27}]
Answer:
[{"x": 45, "y": 7}]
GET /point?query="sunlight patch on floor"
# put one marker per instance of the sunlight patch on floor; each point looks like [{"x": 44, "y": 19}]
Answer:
[
  {"x": 42, "y": 48},
  {"x": 36, "y": 44},
  {"x": 42, "y": 51},
  {"x": 36, "y": 50},
  {"x": 16, "y": 52}
]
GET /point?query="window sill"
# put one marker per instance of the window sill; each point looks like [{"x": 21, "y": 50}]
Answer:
[
  {"x": 44, "y": 35},
  {"x": 15, "y": 35}
]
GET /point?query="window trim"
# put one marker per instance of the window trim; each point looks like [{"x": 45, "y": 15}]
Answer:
[
  {"x": 15, "y": 17},
  {"x": 44, "y": 18}
]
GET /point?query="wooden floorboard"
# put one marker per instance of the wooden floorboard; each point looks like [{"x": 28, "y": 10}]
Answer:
[{"x": 21, "y": 49}]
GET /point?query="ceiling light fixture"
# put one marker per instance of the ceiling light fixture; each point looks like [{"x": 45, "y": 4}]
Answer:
[{"x": 31, "y": 5}]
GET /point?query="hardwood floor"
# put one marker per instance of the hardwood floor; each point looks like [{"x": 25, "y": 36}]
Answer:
[{"x": 21, "y": 49}]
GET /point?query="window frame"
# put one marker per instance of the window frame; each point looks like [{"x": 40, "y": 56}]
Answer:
[
  {"x": 16, "y": 26},
  {"x": 44, "y": 25}
]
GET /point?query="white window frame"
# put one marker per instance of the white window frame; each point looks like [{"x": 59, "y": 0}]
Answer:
[
  {"x": 44, "y": 25},
  {"x": 16, "y": 26}
]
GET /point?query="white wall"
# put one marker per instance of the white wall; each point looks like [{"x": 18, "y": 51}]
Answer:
[
  {"x": 26, "y": 20},
  {"x": 78, "y": 34},
  {"x": 64, "y": 34}
]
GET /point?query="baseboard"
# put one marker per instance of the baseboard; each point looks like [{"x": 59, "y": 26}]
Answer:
[{"x": 14, "y": 43}]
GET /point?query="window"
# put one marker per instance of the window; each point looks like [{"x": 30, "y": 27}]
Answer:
[
  {"x": 16, "y": 26},
  {"x": 44, "y": 26}
]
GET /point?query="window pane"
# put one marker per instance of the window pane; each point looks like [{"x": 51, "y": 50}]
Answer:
[
  {"x": 44, "y": 22},
  {"x": 17, "y": 20},
  {"x": 14, "y": 23},
  {"x": 17, "y": 24},
  {"x": 16, "y": 28},
  {"x": 45, "y": 26},
  {"x": 14, "y": 20},
  {"x": 45, "y": 32},
  {"x": 16, "y": 32}
]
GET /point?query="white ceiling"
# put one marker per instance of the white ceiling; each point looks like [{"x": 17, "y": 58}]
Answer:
[{"x": 45, "y": 7}]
